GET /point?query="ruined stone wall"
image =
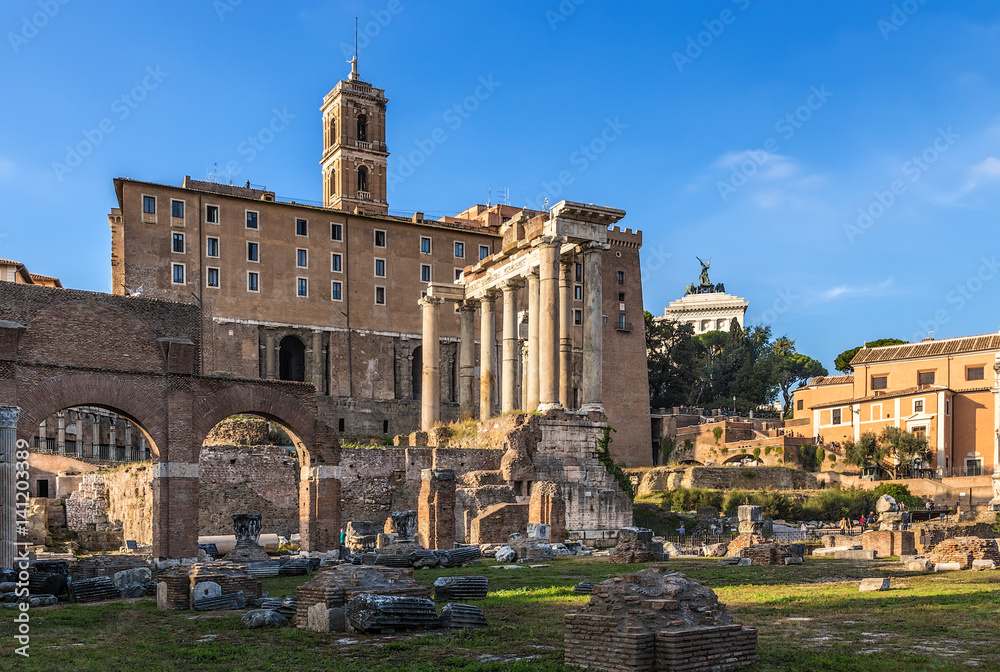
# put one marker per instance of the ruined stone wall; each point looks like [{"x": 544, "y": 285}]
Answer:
[
  {"x": 238, "y": 479},
  {"x": 129, "y": 494},
  {"x": 661, "y": 479},
  {"x": 239, "y": 432},
  {"x": 368, "y": 417}
]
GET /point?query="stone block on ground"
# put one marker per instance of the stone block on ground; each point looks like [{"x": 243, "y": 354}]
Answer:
[
  {"x": 505, "y": 554},
  {"x": 983, "y": 564},
  {"x": 855, "y": 554},
  {"x": 369, "y": 612},
  {"x": 447, "y": 588},
  {"x": 321, "y": 618},
  {"x": 462, "y": 616},
  {"x": 261, "y": 618},
  {"x": 793, "y": 560},
  {"x": 918, "y": 565},
  {"x": 715, "y": 550},
  {"x": 947, "y": 566},
  {"x": 873, "y": 585}
]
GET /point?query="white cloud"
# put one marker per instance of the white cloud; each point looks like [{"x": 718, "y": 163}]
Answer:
[
  {"x": 840, "y": 291},
  {"x": 988, "y": 168}
]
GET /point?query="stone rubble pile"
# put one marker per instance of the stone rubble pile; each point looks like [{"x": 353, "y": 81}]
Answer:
[
  {"x": 635, "y": 544},
  {"x": 964, "y": 551}
]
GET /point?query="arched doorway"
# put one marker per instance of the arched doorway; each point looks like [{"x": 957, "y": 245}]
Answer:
[
  {"x": 417, "y": 371},
  {"x": 292, "y": 359}
]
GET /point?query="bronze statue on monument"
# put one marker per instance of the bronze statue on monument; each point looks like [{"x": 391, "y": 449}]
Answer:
[{"x": 704, "y": 285}]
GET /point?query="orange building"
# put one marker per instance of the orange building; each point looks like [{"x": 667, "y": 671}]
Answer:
[
  {"x": 944, "y": 390},
  {"x": 15, "y": 271}
]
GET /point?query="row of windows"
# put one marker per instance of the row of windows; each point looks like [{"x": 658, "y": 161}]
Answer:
[
  {"x": 213, "y": 280},
  {"x": 927, "y": 377}
]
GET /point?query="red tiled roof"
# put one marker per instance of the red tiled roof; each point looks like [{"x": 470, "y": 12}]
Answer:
[
  {"x": 951, "y": 346},
  {"x": 832, "y": 380}
]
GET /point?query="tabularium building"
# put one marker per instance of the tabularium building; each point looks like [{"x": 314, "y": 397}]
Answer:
[
  {"x": 946, "y": 390},
  {"x": 329, "y": 295}
]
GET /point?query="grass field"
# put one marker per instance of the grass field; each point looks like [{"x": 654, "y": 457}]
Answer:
[{"x": 809, "y": 617}]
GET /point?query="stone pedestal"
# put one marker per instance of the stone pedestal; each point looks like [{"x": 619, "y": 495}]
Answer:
[{"x": 436, "y": 509}]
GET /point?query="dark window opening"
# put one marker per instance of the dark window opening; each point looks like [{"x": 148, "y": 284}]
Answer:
[
  {"x": 362, "y": 179},
  {"x": 385, "y": 426},
  {"x": 292, "y": 359},
  {"x": 416, "y": 371},
  {"x": 340, "y": 425},
  {"x": 880, "y": 382},
  {"x": 974, "y": 373},
  {"x": 925, "y": 378},
  {"x": 43, "y": 488},
  {"x": 363, "y": 128},
  {"x": 798, "y": 405}
]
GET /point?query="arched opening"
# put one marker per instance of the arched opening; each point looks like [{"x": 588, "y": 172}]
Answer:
[
  {"x": 292, "y": 359},
  {"x": 89, "y": 477},
  {"x": 362, "y": 179},
  {"x": 333, "y": 131},
  {"x": 331, "y": 183},
  {"x": 248, "y": 464},
  {"x": 362, "y": 128},
  {"x": 417, "y": 371}
]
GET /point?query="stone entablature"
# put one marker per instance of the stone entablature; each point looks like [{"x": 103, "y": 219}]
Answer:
[{"x": 707, "y": 312}]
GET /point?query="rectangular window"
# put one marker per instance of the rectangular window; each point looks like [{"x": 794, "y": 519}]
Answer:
[
  {"x": 213, "y": 278},
  {"x": 836, "y": 416},
  {"x": 212, "y": 214},
  {"x": 177, "y": 209},
  {"x": 253, "y": 282},
  {"x": 301, "y": 227},
  {"x": 925, "y": 378},
  {"x": 253, "y": 251},
  {"x": 918, "y": 405},
  {"x": 459, "y": 250},
  {"x": 379, "y": 238},
  {"x": 974, "y": 373},
  {"x": 178, "y": 243},
  {"x": 302, "y": 286},
  {"x": 149, "y": 205},
  {"x": 302, "y": 258},
  {"x": 484, "y": 251},
  {"x": 336, "y": 231},
  {"x": 621, "y": 296},
  {"x": 337, "y": 291},
  {"x": 621, "y": 277},
  {"x": 798, "y": 405},
  {"x": 458, "y": 274},
  {"x": 973, "y": 467},
  {"x": 177, "y": 274},
  {"x": 577, "y": 317},
  {"x": 380, "y": 296},
  {"x": 251, "y": 219},
  {"x": 380, "y": 268},
  {"x": 579, "y": 272},
  {"x": 578, "y": 292},
  {"x": 336, "y": 263},
  {"x": 880, "y": 382},
  {"x": 425, "y": 273},
  {"x": 211, "y": 247},
  {"x": 621, "y": 321},
  {"x": 425, "y": 245}
]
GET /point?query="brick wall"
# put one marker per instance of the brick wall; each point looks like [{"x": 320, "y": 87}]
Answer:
[
  {"x": 594, "y": 643},
  {"x": 720, "y": 648}
]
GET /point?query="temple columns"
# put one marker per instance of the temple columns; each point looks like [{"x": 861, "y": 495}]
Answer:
[
  {"x": 430, "y": 397},
  {"x": 467, "y": 359},
  {"x": 487, "y": 343},
  {"x": 548, "y": 325},
  {"x": 507, "y": 400},
  {"x": 593, "y": 325},
  {"x": 531, "y": 364},
  {"x": 566, "y": 333}
]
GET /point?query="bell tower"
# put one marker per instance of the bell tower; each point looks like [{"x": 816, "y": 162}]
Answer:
[{"x": 354, "y": 153}]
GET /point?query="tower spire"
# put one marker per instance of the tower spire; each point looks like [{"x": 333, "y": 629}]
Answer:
[{"x": 354, "y": 61}]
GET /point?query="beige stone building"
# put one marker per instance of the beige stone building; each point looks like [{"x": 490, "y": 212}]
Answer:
[
  {"x": 329, "y": 295},
  {"x": 15, "y": 271}
]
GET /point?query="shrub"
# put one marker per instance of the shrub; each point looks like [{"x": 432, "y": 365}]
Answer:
[
  {"x": 604, "y": 452},
  {"x": 717, "y": 433},
  {"x": 756, "y": 452},
  {"x": 832, "y": 504},
  {"x": 899, "y": 492}
]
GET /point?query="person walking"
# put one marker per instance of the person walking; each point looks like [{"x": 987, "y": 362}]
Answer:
[{"x": 804, "y": 530}]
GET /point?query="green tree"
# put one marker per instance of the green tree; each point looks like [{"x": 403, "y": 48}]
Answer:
[
  {"x": 865, "y": 452},
  {"x": 672, "y": 358},
  {"x": 793, "y": 368},
  {"x": 902, "y": 448},
  {"x": 843, "y": 361}
]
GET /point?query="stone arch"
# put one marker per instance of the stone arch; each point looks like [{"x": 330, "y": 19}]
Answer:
[{"x": 140, "y": 404}]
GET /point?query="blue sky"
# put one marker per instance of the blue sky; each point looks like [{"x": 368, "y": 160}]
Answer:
[{"x": 839, "y": 162}]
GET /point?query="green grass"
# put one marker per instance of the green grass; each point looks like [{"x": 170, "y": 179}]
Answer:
[{"x": 809, "y": 617}]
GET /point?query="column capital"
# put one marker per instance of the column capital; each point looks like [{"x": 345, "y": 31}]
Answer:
[
  {"x": 594, "y": 245},
  {"x": 544, "y": 241},
  {"x": 469, "y": 305},
  {"x": 489, "y": 295},
  {"x": 430, "y": 301},
  {"x": 512, "y": 284}
]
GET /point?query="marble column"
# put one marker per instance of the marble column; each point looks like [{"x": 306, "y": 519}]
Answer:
[
  {"x": 531, "y": 364},
  {"x": 269, "y": 357},
  {"x": 566, "y": 333},
  {"x": 61, "y": 432},
  {"x": 96, "y": 426},
  {"x": 467, "y": 359},
  {"x": 487, "y": 343},
  {"x": 593, "y": 327},
  {"x": 548, "y": 327},
  {"x": 510, "y": 342},
  {"x": 430, "y": 393},
  {"x": 8, "y": 484}
]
